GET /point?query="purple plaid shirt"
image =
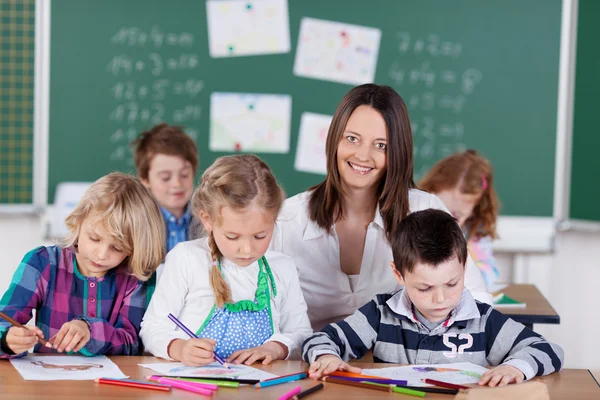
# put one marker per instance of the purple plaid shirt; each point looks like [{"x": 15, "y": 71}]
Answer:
[{"x": 48, "y": 281}]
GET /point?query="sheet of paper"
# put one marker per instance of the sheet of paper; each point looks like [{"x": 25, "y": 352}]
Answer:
[
  {"x": 459, "y": 373},
  {"x": 338, "y": 52},
  {"x": 74, "y": 368},
  {"x": 310, "y": 154},
  {"x": 244, "y": 122},
  {"x": 247, "y": 27},
  {"x": 215, "y": 370}
]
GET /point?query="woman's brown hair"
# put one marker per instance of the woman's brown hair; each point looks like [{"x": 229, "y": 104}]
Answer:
[
  {"x": 325, "y": 205},
  {"x": 471, "y": 173},
  {"x": 234, "y": 181}
]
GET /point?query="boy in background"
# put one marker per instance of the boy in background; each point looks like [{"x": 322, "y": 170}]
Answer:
[
  {"x": 433, "y": 319},
  {"x": 166, "y": 160}
]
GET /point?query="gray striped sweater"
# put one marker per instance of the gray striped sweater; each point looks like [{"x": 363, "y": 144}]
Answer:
[{"x": 474, "y": 332}]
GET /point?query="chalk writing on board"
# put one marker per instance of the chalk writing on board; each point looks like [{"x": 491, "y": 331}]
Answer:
[
  {"x": 133, "y": 36},
  {"x": 431, "y": 73},
  {"x": 156, "y": 80}
]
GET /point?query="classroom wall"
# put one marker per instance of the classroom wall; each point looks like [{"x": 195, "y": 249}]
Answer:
[{"x": 569, "y": 279}]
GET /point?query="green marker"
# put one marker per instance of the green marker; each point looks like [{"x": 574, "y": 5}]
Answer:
[
  {"x": 399, "y": 389},
  {"x": 218, "y": 383}
]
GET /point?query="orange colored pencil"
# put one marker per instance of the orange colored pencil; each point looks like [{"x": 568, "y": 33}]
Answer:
[
  {"x": 358, "y": 384},
  {"x": 353, "y": 375},
  {"x": 17, "y": 324}
]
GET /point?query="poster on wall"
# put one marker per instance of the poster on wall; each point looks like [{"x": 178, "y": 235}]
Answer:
[
  {"x": 310, "y": 154},
  {"x": 338, "y": 52},
  {"x": 244, "y": 28}
]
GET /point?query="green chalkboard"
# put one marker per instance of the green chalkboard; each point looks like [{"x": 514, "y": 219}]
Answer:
[
  {"x": 17, "y": 40},
  {"x": 586, "y": 140},
  {"x": 474, "y": 74}
]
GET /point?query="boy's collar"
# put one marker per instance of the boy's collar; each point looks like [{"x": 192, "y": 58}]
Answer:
[
  {"x": 187, "y": 214},
  {"x": 465, "y": 310}
]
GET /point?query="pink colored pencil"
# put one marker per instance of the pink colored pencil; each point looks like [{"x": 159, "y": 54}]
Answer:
[
  {"x": 291, "y": 393},
  {"x": 208, "y": 386},
  {"x": 189, "y": 386}
]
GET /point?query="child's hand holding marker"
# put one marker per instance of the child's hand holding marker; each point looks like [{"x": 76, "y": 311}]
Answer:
[{"x": 193, "y": 352}]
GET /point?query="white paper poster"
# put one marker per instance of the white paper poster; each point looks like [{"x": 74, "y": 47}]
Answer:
[
  {"x": 244, "y": 28},
  {"x": 214, "y": 370},
  {"x": 75, "y": 368},
  {"x": 310, "y": 154},
  {"x": 338, "y": 52},
  {"x": 244, "y": 122}
]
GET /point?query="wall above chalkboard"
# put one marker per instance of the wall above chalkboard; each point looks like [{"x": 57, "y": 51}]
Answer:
[{"x": 473, "y": 74}]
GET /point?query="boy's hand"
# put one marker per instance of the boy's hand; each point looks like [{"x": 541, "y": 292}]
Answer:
[
  {"x": 328, "y": 363},
  {"x": 192, "y": 352},
  {"x": 267, "y": 352},
  {"x": 22, "y": 339},
  {"x": 502, "y": 375},
  {"x": 72, "y": 336}
]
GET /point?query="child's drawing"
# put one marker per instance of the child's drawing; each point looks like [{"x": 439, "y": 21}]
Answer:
[
  {"x": 65, "y": 367},
  {"x": 214, "y": 370}
]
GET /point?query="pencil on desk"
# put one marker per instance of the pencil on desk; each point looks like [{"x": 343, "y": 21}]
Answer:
[
  {"x": 280, "y": 380},
  {"x": 187, "y": 386},
  {"x": 17, "y": 324},
  {"x": 193, "y": 335},
  {"x": 376, "y": 380},
  {"x": 353, "y": 375},
  {"x": 212, "y": 378},
  {"x": 232, "y": 384},
  {"x": 382, "y": 388},
  {"x": 290, "y": 394},
  {"x": 445, "y": 384},
  {"x": 308, "y": 391},
  {"x": 134, "y": 384}
]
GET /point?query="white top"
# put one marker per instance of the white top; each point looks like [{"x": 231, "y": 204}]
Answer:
[
  {"x": 326, "y": 288},
  {"x": 184, "y": 290}
]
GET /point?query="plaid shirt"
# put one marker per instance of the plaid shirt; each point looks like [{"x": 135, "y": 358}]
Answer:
[
  {"x": 48, "y": 281},
  {"x": 177, "y": 230}
]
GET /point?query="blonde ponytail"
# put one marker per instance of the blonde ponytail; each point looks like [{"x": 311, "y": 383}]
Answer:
[{"x": 220, "y": 288}]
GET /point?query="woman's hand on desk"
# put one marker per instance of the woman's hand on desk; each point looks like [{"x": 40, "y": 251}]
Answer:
[
  {"x": 20, "y": 340},
  {"x": 502, "y": 375},
  {"x": 328, "y": 363}
]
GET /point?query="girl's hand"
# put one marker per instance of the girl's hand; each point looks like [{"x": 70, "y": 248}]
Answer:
[
  {"x": 502, "y": 375},
  {"x": 192, "y": 352},
  {"x": 22, "y": 339},
  {"x": 328, "y": 363},
  {"x": 267, "y": 352},
  {"x": 72, "y": 336}
]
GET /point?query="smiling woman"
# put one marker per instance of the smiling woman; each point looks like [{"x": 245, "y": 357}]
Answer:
[{"x": 338, "y": 231}]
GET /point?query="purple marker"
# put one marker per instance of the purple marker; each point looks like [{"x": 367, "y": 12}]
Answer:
[{"x": 192, "y": 335}]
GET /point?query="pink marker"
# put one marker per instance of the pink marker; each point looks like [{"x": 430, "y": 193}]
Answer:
[
  {"x": 190, "y": 387},
  {"x": 291, "y": 393}
]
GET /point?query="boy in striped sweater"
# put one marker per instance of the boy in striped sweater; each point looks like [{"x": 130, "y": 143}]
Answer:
[{"x": 433, "y": 320}]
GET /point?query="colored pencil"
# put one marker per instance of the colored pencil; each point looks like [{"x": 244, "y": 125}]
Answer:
[
  {"x": 290, "y": 394},
  {"x": 280, "y": 380},
  {"x": 193, "y": 335},
  {"x": 213, "y": 382},
  {"x": 400, "y": 389},
  {"x": 134, "y": 384},
  {"x": 212, "y": 378},
  {"x": 382, "y": 388},
  {"x": 17, "y": 324},
  {"x": 187, "y": 386},
  {"x": 445, "y": 384},
  {"x": 209, "y": 386},
  {"x": 284, "y": 376},
  {"x": 353, "y": 375},
  {"x": 308, "y": 391},
  {"x": 376, "y": 380}
]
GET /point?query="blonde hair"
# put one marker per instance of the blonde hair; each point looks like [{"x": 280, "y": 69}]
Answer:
[
  {"x": 470, "y": 173},
  {"x": 234, "y": 181},
  {"x": 131, "y": 217}
]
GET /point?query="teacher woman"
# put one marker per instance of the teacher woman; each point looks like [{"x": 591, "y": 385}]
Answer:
[{"x": 337, "y": 232}]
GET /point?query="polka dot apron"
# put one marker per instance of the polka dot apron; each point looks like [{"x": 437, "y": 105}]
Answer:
[{"x": 245, "y": 324}]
